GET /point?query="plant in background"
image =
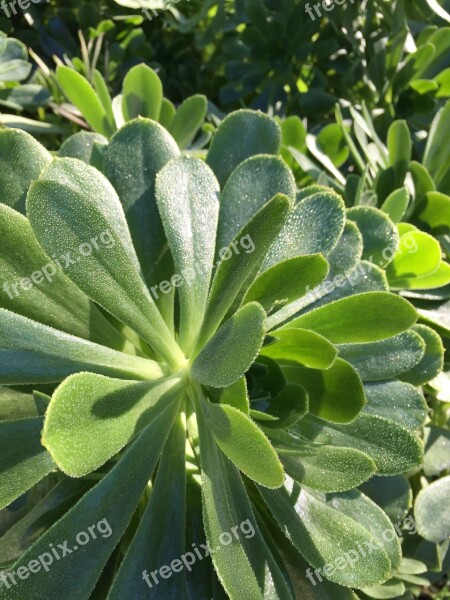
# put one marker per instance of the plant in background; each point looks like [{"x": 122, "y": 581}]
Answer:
[
  {"x": 171, "y": 365},
  {"x": 142, "y": 96},
  {"x": 20, "y": 91},
  {"x": 383, "y": 186}
]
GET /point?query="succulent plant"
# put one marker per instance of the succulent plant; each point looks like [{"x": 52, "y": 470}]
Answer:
[{"x": 177, "y": 369}]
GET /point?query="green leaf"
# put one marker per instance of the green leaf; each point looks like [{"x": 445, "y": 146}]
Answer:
[
  {"x": 331, "y": 141},
  {"x": 314, "y": 226},
  {"x": 344, "y": 274},
  {"x": 225, "y": 359},
  {"x": 81, "y": 93},
  {"x": 393, "y": 588},
  {"x": 91, "y": 418},
  {"x": 244, "y": 443},
  {"x": 160, "y": 537},
  {"x": 394, "y": 449},
  {"x": 327, "y": 539},
  {"x": 432, "y": 362},
  {"x": 400, "y": 149},
  {"x": 188, "y": 120},
  {"x": 287, "y": 281},
  {"x": 392, "y": 494},
  {"x": 430, "y": 502},
  {"x": 242, "y": 134},
  {"x": 336, "y": 394},
  {"x": 236, "y": 267},
  {"x": 24, "y": 461},
  {"x": 301, "y": 346},
  {"x": 364, "y": 511},
  {"x": 423, "y": 182},
  {"x": 35, "y": 353},
  {"x": 17, "y": 404},
  {"x": 225, "y": 503},
  {"x": 386, "y": 359},
  {"x": 108, "y": 520},
  {"x": 361, "y": 318},
  {"x": 71, "y": 210},
  {"x": 14, "y": 65},
  {"x": 34, "y": 286},
  {"x": 236, "y": 395},
  {"x": 399, "y": 402},
  {"x": 22, "y": 158},
  {"x": 437, "y": 279},
  {"x": 418, "y": 255},
  {"x": 325, "y": 468},
  {"x": 436, "y": 150},
  {"x": 81, "y": 146},
  {"x": 396, "y": 204},
  {"x": 379, "y": 233},
  {"x": 168, "y": 112},
  {"x": 101, "y": 88},
  {"x": 141, "y": 142},
  {"x": 257, "y": 180},
  {"x": 433, "y": 213},
  {"x": 284, "y": 409},
  {"x": 187, "y": 194},
  {"x": 142, "y": 93},
  {"x": 437, "y": 455},
  {"x": 40, "y": 517}
]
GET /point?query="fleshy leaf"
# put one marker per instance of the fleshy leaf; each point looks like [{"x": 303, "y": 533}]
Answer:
[
  {"x": 160, "y": 537},
  {"x": 394, "y": 449},
  {"x": 325, "y": 468},
  {"x": 225, "y": 359},
  {"x": 71, "y": 210},
  {"x": 322, "y": 535},
  {"x": 236, "y": 268},
  {"x": 36, "y": 287},
  {"x": 188, "y": 119},
  {"x": 433, "y": 213},
  {"x": 287, "y": 281},
  {"x": 91, "y": 418},
  {"x": 244, "y": 133},
  {"x": 250, "y": 186},
  {"x": 24, "y": 461},
  {"x": 35, "y": 353},
  {"x": 396, "y": 401},
  {"x": 187, "y": 193},
  {"x": 430, "y": 503},
  {"x": 22, "y": 158},
  {"x": 244, "y": 443},
  {"x": 108, "y": 520},
  {"x": 81, "y": 93},
  {"x": 365, "y": 317},
  {"x": 386, "y": 359},
  {"x": 225, "y": 502},
  {"x": 379, "y": 233},
  {"x": 142, "y": 93},
  {"x": 335, "y": 394},
  {"x": 141, "y": 142},
  {"x": 314, "y": 225},
  {"x": 432, "y": 362},
  {"x": 301, "y": 346}
]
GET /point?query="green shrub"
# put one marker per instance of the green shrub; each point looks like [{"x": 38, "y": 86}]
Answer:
[{"x": 176, "y": 367}]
